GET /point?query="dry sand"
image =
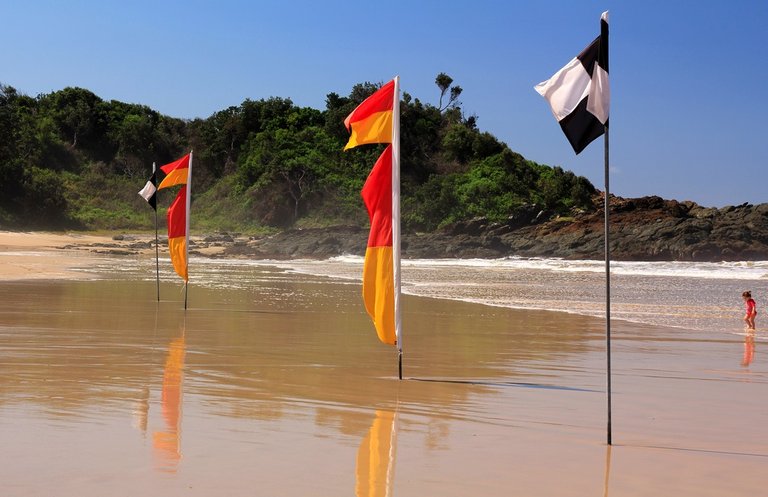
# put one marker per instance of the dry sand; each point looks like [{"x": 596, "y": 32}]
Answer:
[
  {"x": 47, "y": 255},
  {"x": 42, "y": 255}
]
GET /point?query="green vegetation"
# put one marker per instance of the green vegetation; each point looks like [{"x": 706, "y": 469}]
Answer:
[{"x": 69, "y": 159}]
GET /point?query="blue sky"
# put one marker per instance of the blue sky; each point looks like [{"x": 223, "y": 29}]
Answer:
[{"x": 688, "y": 79}]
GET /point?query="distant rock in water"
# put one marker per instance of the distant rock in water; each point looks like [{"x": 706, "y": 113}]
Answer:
[
  {"x": 643, "y": 229},
  {"x": 315, "y": 243}
]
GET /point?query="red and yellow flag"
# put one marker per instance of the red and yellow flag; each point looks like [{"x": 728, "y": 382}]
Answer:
[
  {"x": 177, "y": 173},
  {"x": 371, "y": 121},
  {"x": 378, "y": 268}
]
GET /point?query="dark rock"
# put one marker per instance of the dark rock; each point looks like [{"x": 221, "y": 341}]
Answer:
[
  {"x": 115, "y": 252},
  {"x": 219, "y": 238},
  {"x": 142, "y": 245},
  {"x": 472, "y": 227},
  {"x": 648, "y": 228}
]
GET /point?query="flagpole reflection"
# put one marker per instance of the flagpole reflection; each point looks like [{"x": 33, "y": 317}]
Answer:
[
  {"x": 141, "y": 412},
  {"x": 607, "y": 470},
  {"x": 167, "y": 443},
  {"x": 375, "y": 469}
]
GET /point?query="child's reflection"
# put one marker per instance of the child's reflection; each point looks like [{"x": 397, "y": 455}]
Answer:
[{"x": 749, "y": 348}]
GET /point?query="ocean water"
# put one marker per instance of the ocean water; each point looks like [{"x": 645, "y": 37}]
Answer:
[
  {"x": 694, "y": 296},
  {"x": 689, "y": 295}
]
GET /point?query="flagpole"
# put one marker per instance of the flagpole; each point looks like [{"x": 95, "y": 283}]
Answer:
[
  {"x": 396, "y": 222},
  {"x": 186, "y": 244},
  {"x": 603, "y": 59},
  {"x": 157, "y": 243},
  {"x": 607, "y": 206}
]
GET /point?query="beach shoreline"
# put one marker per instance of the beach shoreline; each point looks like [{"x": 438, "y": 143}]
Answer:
[
  {"x": 46, "y": 255},
  {"x": 652, "y": 293},
  {"x": 40, "y": 255}
]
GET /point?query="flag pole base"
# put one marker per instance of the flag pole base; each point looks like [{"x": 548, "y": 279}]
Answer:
[
  {"x": 186, "y": 288},
  {"x": 400, "y": 364}
]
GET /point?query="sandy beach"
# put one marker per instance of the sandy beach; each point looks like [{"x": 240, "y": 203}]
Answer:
[
  {"x": 49, "y": 255},
  {"x": 42, "y": 255},
  {"x": 277, "y": 386}
]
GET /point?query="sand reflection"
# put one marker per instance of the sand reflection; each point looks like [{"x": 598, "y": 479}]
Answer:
[{"x": 167, "y": 443}]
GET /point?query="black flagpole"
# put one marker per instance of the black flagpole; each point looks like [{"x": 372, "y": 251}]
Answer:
[
  {"x": 607, "y": 206},
  {"x": 603, "y": 54},
  {"x": 157, "y": 252},
  {"x": 157, "y": 245}
]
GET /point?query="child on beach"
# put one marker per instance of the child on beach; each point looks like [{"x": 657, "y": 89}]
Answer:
[{"x": 749, "y": 317}]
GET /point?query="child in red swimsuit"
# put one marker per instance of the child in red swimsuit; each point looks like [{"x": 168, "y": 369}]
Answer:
[{"x": 749, "y": 317}]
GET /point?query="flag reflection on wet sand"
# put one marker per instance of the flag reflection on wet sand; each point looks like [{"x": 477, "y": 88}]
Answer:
[
  {"x": 167, "y": 442},
  {"x": 376, "y": 457}
]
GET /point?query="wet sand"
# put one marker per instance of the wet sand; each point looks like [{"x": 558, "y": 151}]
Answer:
[{"x": 281, "y": 388}]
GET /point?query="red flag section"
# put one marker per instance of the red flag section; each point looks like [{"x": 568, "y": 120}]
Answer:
[{"x": 177, "y": 233}]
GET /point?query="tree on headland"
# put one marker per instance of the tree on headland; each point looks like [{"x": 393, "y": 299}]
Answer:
[
  {"x": 443, "y": 81},
  {"x": 77, "y": 113},
  {"x": 11, "y": 150}
]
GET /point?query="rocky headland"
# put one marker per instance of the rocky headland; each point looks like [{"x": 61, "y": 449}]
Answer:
[{"x": 642, "y": 229}]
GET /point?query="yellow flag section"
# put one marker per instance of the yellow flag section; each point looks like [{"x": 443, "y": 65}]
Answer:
[
  {"x": 179, "y": 173},
  {"x": 371, "y": 121}
]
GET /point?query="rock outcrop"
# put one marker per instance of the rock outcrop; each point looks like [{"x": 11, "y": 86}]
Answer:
[{"x": 644, "y": 229}]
